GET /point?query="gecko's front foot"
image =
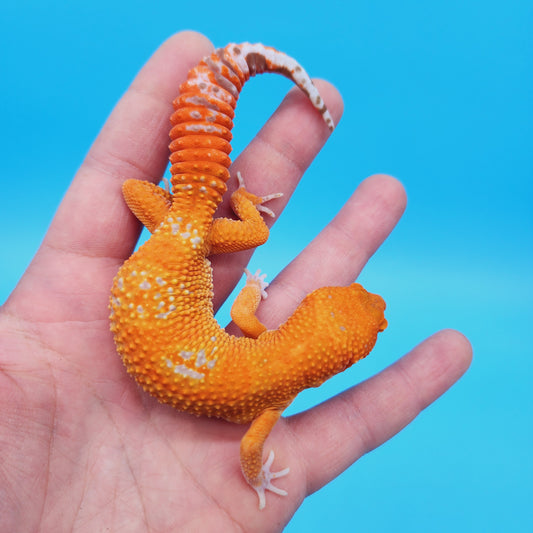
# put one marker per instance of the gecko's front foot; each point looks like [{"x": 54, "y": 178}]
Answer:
[
  {"x": 257, "y": 280},
  {"x": 266, "y": 481}
]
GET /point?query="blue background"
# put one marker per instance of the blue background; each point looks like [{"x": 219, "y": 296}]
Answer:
[{"x": 437, "y": 94}]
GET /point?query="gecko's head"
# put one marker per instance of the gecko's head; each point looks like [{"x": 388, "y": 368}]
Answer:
[
  {"x": 350, "y": 317},
  {"x": 332, "y": 329},
  {"x": 372, "y": 305},
  {"x": 352, "y": 307}
]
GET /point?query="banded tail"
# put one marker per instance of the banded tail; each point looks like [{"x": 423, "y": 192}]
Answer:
[{"x": 204, "y": 109}]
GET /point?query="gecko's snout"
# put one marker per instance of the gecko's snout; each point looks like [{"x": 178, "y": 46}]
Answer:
[
  {"x": 378, "y": 305},
  {"x": 373, "y": 305}
]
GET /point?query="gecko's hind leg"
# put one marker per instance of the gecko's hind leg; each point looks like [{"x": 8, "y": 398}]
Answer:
[
  {"x": 227, "y": 235},
  {"x": 148, "y": 202}
]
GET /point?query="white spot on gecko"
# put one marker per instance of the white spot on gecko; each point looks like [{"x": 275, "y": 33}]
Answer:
[
  {"x": 200, "y": 358},
  {"x": 187, "y": 372},
  {"x": 203, "y": 127},
  {"x": 145, "y": 285}
]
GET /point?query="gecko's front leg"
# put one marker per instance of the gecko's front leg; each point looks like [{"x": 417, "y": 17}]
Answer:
[
  {"x": 246, "y": 304},
  {"x": 257, "y": 474}
]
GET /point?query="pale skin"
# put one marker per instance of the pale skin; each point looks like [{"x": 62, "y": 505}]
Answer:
[{"x": 82, "y": 447}]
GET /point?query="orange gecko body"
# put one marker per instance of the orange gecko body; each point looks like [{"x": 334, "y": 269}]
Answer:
[{"x": 161, "y": 311}]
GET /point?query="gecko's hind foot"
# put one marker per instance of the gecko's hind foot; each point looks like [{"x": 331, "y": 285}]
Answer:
[
  {"x": 260, "y": 200},
  {"x": 266, "y": 481}
]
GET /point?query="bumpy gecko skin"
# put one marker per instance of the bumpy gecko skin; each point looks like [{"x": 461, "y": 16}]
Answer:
[{"x": 161, "y": 311}]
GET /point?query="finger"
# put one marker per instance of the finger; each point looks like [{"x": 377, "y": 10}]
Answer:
[
  {"x": 283, "y": 149},
  {"x": 367, "y": 415},
  {"x": 93, "y": 218},
  {"x": 274, "y": 162},
  {"x": 337, "y": 255}
]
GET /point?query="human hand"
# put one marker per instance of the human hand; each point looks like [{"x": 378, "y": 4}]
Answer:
[{"x": 83, "y": 447}]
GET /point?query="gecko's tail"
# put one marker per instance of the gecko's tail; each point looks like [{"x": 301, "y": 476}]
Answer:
[
  {"x": 258, "y": 58},
  {"x": 204, "y": 109}
]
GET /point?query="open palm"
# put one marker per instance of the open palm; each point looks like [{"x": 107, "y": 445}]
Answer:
[{"x": 82, "y": 448}]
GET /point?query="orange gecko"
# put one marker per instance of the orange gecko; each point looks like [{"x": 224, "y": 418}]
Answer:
[{"x": 161, "y": 310}]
